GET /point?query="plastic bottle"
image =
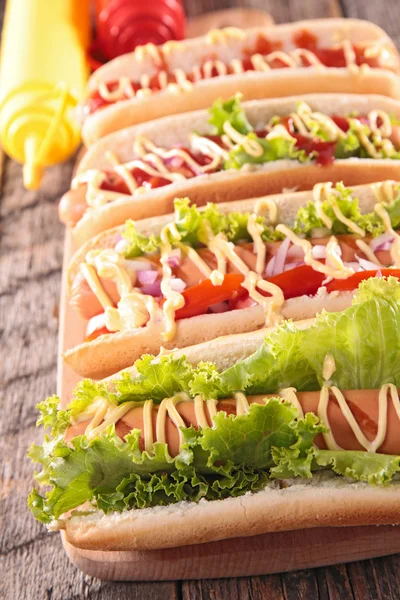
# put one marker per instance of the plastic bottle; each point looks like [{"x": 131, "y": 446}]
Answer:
[{"x": 43, "y": 75}]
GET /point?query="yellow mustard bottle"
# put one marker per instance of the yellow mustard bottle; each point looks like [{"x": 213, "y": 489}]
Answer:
[{"x": 43, "y": 73}]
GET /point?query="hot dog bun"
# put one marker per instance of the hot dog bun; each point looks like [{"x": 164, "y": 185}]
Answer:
[
  {"x": 320, "y": 502},
  {"x": 224, "y": 186},
  {"x": 254, "y": 85},
  {"x": 110, "y": 353}
]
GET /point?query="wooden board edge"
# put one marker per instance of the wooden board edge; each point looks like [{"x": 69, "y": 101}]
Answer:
[{"x": 258, "y": 555}]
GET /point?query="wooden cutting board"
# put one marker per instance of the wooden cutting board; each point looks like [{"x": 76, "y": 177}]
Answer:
[
  {"x": 258, "y": 555},
  {"x": 262, "y": 554}
]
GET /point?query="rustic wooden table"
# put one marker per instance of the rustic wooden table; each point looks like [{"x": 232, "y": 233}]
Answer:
[{"x": 33, "y": 563}]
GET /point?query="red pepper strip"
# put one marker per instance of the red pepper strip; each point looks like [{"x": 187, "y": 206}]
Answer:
[
  {"x": 199, "y": 298},
  {"x": 295, "y": 282},
  {"x": 351, "y": 283},
  {"x": 300, "y": 281}
]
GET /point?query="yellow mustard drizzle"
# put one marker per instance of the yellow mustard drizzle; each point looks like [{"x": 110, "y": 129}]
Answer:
[
  {"x": 329, "y": 367},
  {"x": 255, "y": 230},
  {"x": 271, "y": 305},
  {"x": 133, "y": 310},
  {"x": 110, "y": 265},
  {"x": 384, "y": 191},
  {"x": 136, "y": 309},
  {"x": 369, "y": 253},
  {"x": 242, "y": 405},
  {"x": 289, "y": 394},
  {"x": 173, "y": 300},
  {"x": 323, "y": 192},
  {"x": 270, "y": 205},
  {"x": 200, "y": 413},
  {"x": 370, "y": 446},
  {"x": 103, "y": 413},
  {"x": 292, "y": 59},
  {"x": 395, "y": 249},
  {"x": 151, "y": 157},
  {"x": 338, "y": 270}
]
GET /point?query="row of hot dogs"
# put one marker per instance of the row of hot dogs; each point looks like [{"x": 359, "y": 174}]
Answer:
[{"x": 242, "y": 300}]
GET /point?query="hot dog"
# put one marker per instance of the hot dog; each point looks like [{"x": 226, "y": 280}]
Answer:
[
  {"x": 331, "y": 55},
  {"x": 195, "y": 275},
  {"x": 298, "y": 428},
  {"x": 244, "y": 151}
]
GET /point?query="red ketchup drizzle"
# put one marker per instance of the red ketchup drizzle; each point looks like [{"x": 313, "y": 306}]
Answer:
[
  {"x": 176, "y": 164},
  {"x": 330, "y": 57},
  {"x": 325, "y": 156}
]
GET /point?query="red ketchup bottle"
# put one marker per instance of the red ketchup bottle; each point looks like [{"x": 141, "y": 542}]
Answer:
[{"x": 121, "y": 25}]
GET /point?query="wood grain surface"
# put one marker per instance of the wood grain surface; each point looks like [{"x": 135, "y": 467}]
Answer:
[{"x": 33, "y": 564}]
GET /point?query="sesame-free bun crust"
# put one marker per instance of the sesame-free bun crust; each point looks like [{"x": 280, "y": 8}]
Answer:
[
  {"x": 225, "y": 186},
  {"x": 324, "y": 500},
  {"x": 253, "y": 85}
]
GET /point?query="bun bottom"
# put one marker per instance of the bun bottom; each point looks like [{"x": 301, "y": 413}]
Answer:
[{"x": 323, "y": 501}]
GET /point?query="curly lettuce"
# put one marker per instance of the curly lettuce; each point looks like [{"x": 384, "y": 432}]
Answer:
[
  {"x": 239, "y": 454},
  {"x": 193, "y": 223}
]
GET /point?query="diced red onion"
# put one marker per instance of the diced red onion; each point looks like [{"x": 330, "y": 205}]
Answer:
[
  {"x": 379, "y": 273},
  {"x": 219, "y": 307},
  {"x": 174, "y": 258},
  {"x": 147, "y": 277},
  {"x": 152, "y": 289},
  {"x": 295, "y": 252},
  {"x": 270, "y": 267},
  {"x": 319, "y": 251},
  {"x": 382, "y": 242},
  {"x": 277, "y": 262},
  {"x": 367, "y": 265},
  {"x": 178, "y": 285},
  {"x": 139, "y": 265}
]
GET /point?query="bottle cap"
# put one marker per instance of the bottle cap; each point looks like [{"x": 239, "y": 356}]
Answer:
[{"x": 124, "y": 24}]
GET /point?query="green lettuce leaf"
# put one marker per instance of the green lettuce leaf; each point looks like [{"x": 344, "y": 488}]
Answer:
[
  {"x": 249, "y": 439},
  {"x": 363, "y": 339},
  {"x": 85, "y": 393},
  {"x": 393, "y": 210},
  {"x": 138, "y": 244},
  {"x": 228, "y": 460},
  {"x": 348, "y": 146},
  {"x": 280, "y": 362},
  {"x": 307, "y": 219},
  {"x": 231, "y": 111},
  {"x": 155, "y": 377},
  {"x": 297, "y": 459},
  {"x": 192, "y": 223},
  {"x": 51, "y": 417},
  {"x": 277, "y": 148},
  {"x": 376, "y": 469}
]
